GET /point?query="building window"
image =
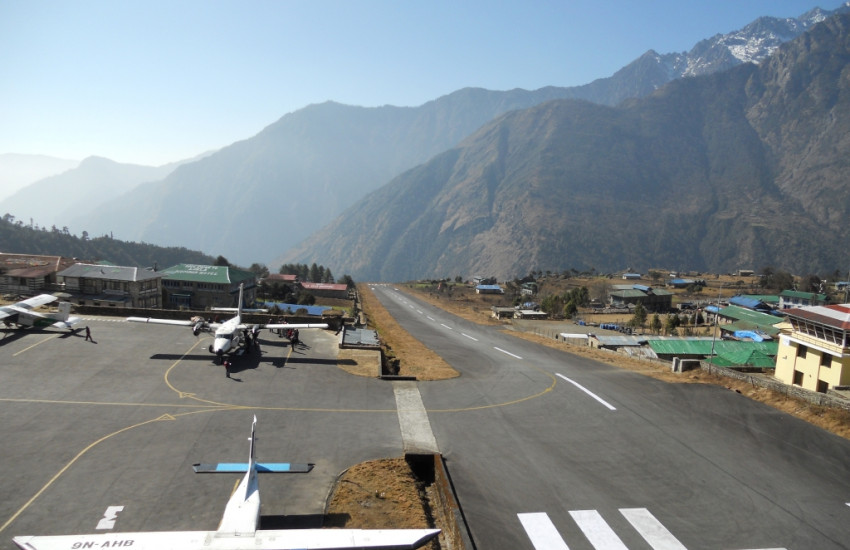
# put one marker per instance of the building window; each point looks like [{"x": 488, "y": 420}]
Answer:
[
  {"x": 825, "y": 360},
  {"x": 822, "y": 386},
  {"x": 798, "y": 378},
  {"x": 801, "y": 351}
]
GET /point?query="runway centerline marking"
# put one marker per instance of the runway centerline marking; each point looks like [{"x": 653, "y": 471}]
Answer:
[
  {"x": 447, "y": 326},
  {"x": 470, "y": 337},
  {"x": 588, "y": 392},
  {"x": 507, "y": 353}
]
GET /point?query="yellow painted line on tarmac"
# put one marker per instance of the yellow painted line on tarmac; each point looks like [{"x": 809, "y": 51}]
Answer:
[
  {"x": 188, "y": 395},
  {"x": 113, "y": 404},
  {"x": 36, "y": 344},
  {"x": 161, "y": 418},
  {"x": 71, "y": 463}
]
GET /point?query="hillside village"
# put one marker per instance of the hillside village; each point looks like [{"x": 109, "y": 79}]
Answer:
[{"x": 781, "y": 338}]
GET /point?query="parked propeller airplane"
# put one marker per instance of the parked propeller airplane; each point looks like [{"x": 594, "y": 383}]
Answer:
[
  {"x": 229, "y": 337},
  {"x": 238, "y": 528},
  {"x": 23, "y": 314}
]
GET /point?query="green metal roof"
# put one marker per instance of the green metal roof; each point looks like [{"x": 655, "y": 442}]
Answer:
[
  {"x": 803, "y": 295},
  {"x": 703, "y": 347},
  {"x": 754, "y": 317},
  {"x": 206, "y": 274}
]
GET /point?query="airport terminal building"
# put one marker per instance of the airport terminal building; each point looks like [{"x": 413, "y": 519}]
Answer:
[{"x": 200, "y": 287}]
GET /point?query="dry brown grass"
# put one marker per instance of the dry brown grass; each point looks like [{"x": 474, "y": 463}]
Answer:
[
  {"x": 415, "y": 359},
  {"x": 379, "y": 494}
]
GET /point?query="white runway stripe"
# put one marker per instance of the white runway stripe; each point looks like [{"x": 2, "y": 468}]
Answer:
[
  {"x": 542, "y": 532},
  {"x": 599, "y": 533},
  {"x": 658, "y": 537},
  {"x": 507, "y": 353},
  {"x": 588, "y": 392}
]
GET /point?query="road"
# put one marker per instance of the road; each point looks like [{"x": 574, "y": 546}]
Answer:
[{"x": 549, "y": 450}]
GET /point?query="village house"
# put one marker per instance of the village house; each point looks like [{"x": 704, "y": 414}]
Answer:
[
  {"x": 652, "y": 299},
  {"x": 30, "y": 274},
  {"x": 327, "y": 290},
  {"x": 489, "y": 289},
  {"x": 112, "y": 286},
  {"x": 814, "y": 351},
  {"x": 792, "y": 299}
]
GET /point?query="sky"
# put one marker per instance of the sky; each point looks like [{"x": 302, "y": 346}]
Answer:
[{"x": 151, "y": 82}]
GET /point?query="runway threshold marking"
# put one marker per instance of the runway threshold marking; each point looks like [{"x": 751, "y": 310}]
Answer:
[
  {"x": 588, "y": 392},
  {"x": 651, "y": 529},
  {"x": 542, "y": 532},
  {"x": 597, "y": 531}
]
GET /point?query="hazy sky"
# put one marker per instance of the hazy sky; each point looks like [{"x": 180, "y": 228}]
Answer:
[{"x": 155, "y": 81}]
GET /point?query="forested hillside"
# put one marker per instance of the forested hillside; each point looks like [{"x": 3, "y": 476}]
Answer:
[{"x": 17, "y": 238}]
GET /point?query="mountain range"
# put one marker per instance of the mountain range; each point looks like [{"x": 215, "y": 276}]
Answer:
[
  {"x": 258, "y": 198},
  {"x": 736, "y": 169}
]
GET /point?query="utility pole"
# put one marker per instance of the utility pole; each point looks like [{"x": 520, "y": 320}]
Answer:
[{"x": 716, "y": 315}]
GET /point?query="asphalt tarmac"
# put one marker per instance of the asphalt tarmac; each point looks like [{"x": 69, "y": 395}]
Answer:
[
  {"x": 549, "y": 450},
  {"x": 111, "y": 428}
]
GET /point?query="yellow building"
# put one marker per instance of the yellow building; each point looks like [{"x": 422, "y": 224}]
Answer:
[{"x": 815, "y": 352}]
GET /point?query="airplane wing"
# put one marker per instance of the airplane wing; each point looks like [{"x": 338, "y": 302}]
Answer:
[
  {"x": 161, "y": 321},
  {"x": 32, "y": 303},
  {"x": 288, "y": 539},
  {"x": 293, "y": 325}
]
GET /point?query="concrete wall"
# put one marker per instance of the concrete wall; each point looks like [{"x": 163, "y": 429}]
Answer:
[{"x": 789, "y": 390}]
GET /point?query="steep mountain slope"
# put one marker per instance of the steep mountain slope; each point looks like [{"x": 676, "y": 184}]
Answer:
[
  {"x": 735, "y": 169},
  {"x": 252, "y": 200}
]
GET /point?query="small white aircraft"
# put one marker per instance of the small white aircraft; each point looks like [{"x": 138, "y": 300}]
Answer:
[
  {"x": 238, "y": 530},
  {"x": 229, "y": 335},
  {"x": 23, "y": 314}
]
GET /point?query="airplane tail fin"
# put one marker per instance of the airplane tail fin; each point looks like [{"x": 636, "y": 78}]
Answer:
[
  {"x": 242, "y": 513},
  {"x": 252, "y": 464},
  {"x": 64, "y": 309},
  {"x": 239, "y": 306}
]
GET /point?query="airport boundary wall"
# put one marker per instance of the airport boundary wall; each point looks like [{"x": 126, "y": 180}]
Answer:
[{"x": 821, "y": 399}]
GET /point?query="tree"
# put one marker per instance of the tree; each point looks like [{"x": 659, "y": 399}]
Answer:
[
  {"x": 221, "y": 261},
  {"x": 260, "y": 270},
  {"x": 570, "y": 309},
  {"x": 655, "y": 324},
  {"x": 639, "y": 317},
  {"x": 314, "y": 276}
]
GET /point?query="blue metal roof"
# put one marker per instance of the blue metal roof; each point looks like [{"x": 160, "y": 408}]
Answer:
[{"x": 292, "y": 308}]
